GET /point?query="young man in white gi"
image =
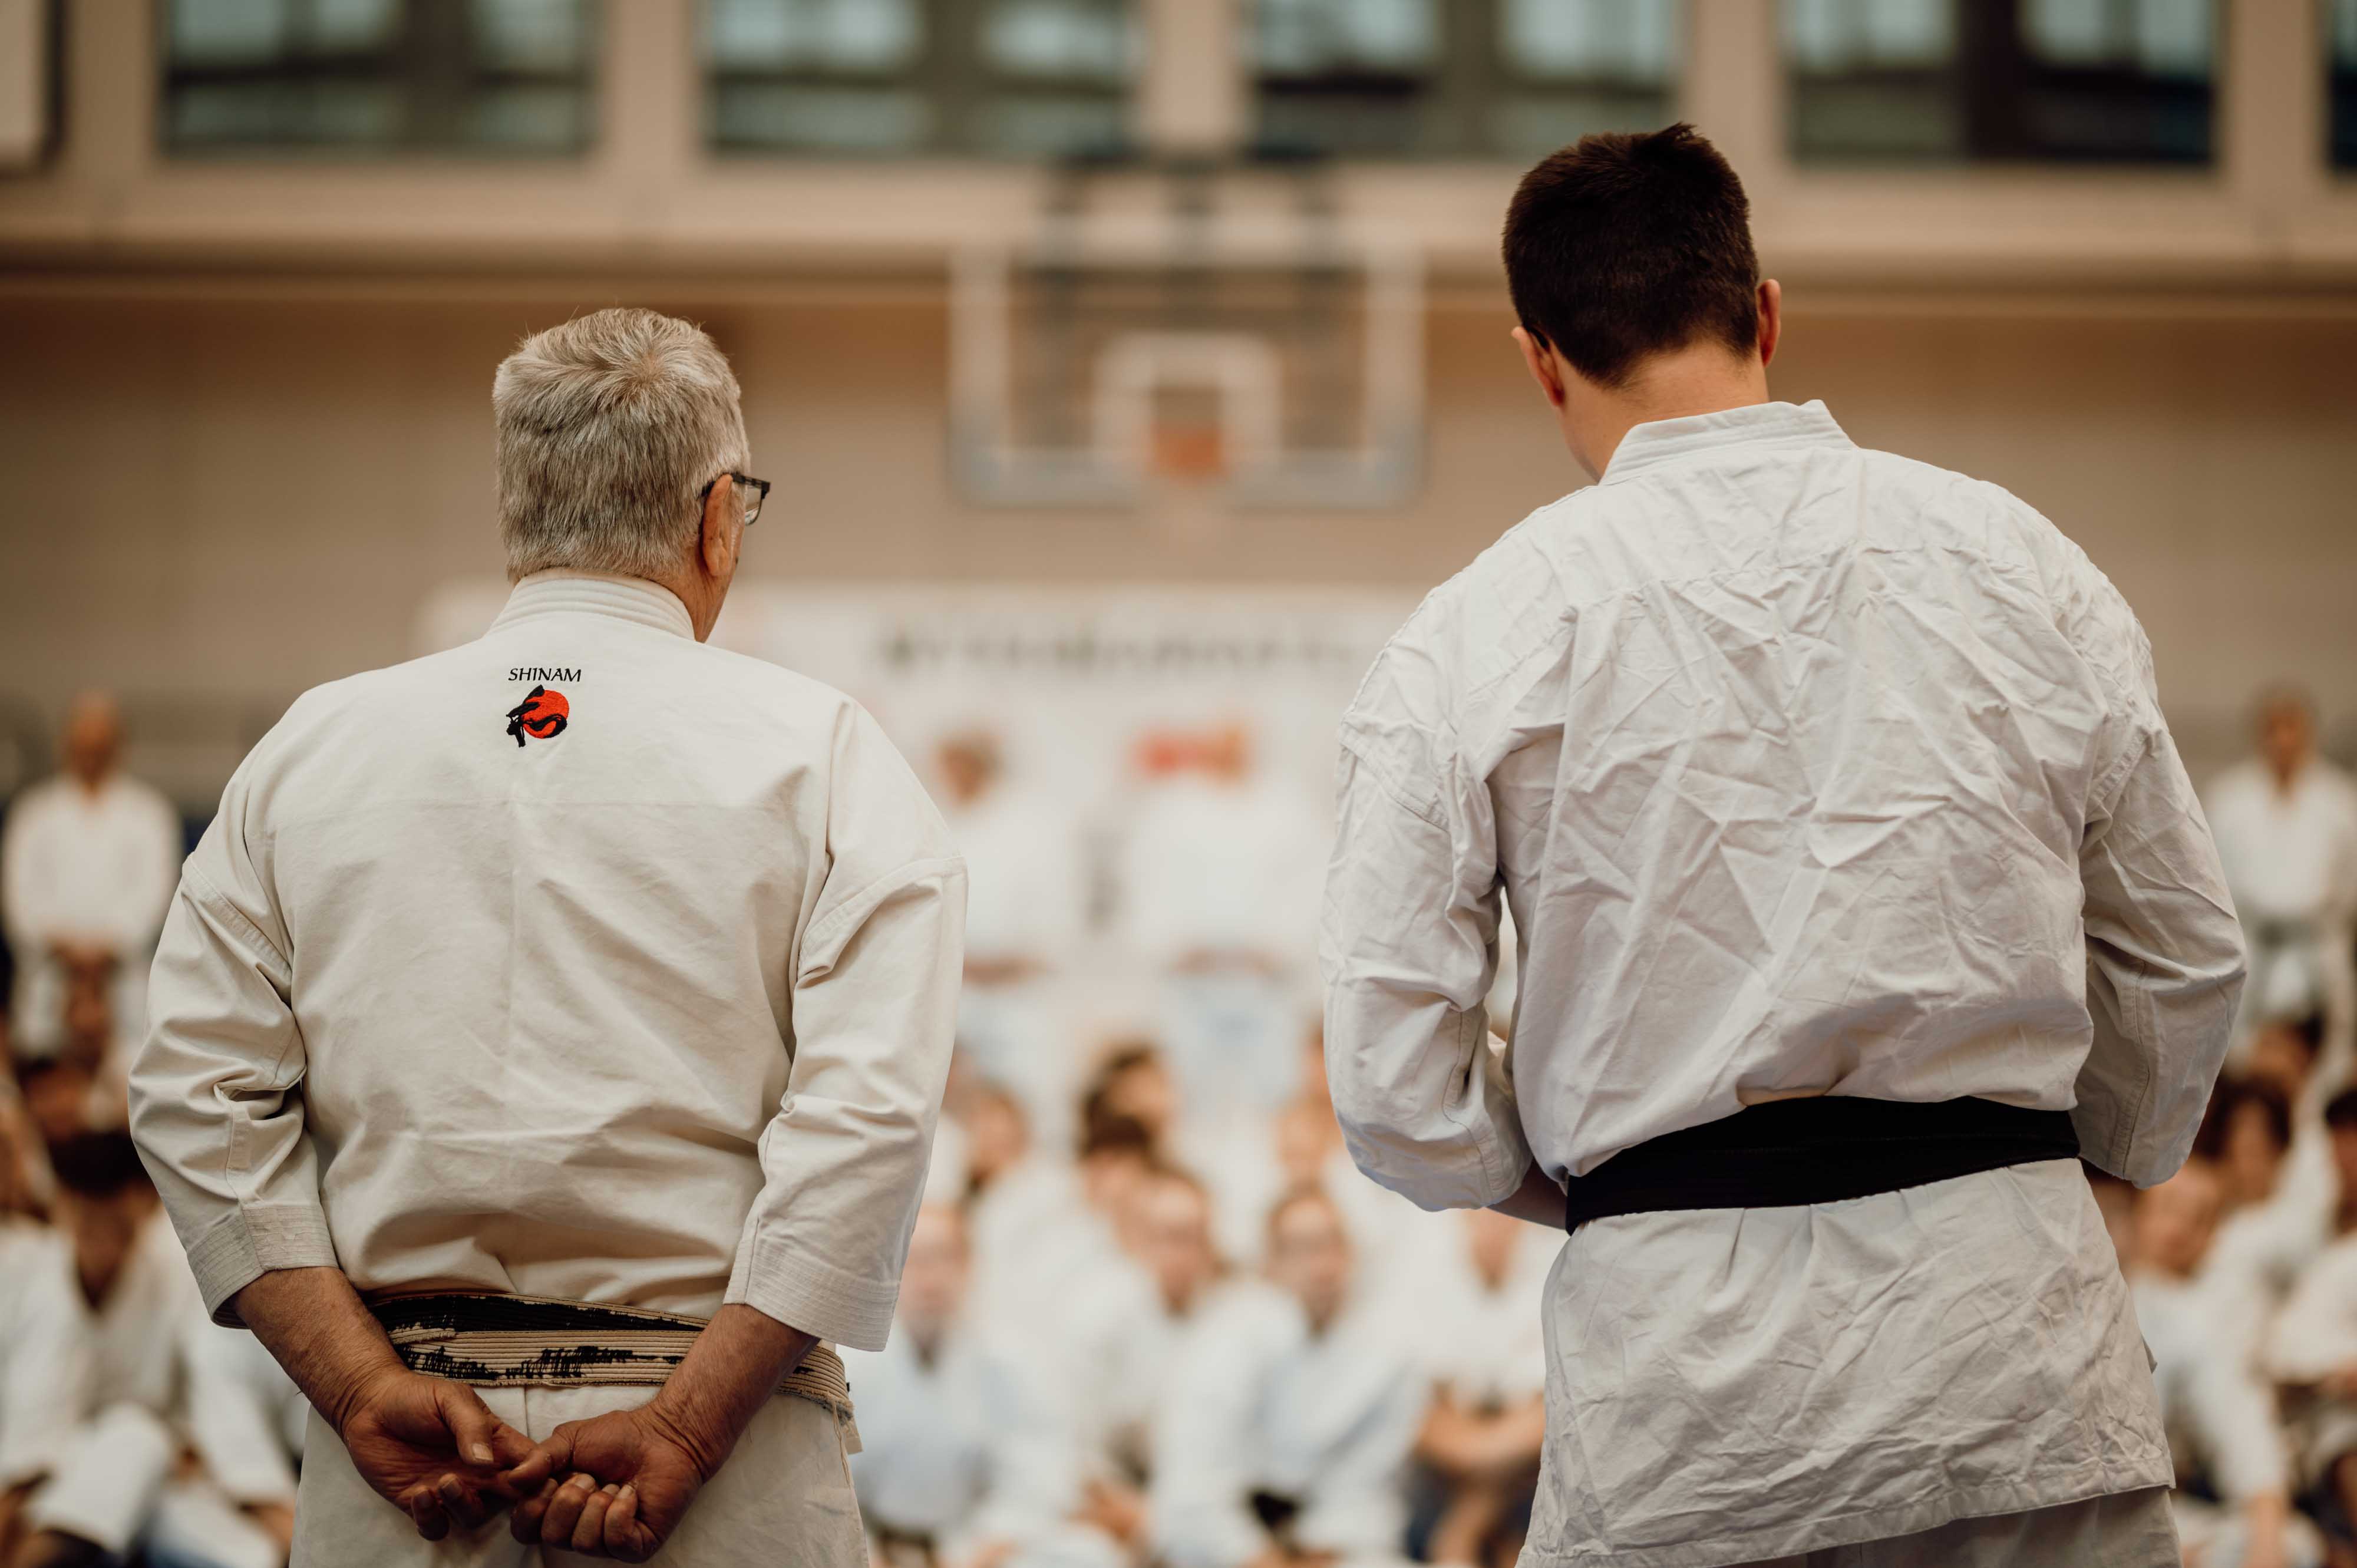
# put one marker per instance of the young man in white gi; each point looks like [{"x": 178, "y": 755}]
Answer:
[
  {"x": 1859, "y": 888},
  {"x": 564, "y": 1005}
]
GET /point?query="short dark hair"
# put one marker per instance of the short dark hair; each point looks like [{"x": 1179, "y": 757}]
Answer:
[
  {"x": 1106, "y": 1132},
  {"x": 1622, "y": 246},
  {"x": 2226, "y": 1102}
]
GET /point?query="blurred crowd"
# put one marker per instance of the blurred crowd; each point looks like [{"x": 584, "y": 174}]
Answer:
[{"x": 1151, "y": 1312}]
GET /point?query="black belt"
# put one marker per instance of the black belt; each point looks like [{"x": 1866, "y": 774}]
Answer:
[{"x": 1820, "y": 1149}]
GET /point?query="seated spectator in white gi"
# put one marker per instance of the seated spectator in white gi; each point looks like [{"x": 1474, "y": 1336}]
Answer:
[
  {"x": 1216, "y": 887},
  {"x": 1036, "y": 1244},
  {"x": 2286, "y": 822},
  {"x": 2219, "y": 1417},
  {"x": 1027, "y": 912},
  {"x": 2312, "y": 1347},
  {"x": 27, "y": 1185},
  {"x": 44, "y": 1366},
  {"x": 1123, "y": 1334},
  {"x": 961, "y": 1462},
  {"x": 1482, "y": 1331},
  {"x": 1291, "y": 1414},
  {"x": 1250, "y": 1161},
  {"x": 87, "y": 864},
  {"x": 131, "y": 1473}
]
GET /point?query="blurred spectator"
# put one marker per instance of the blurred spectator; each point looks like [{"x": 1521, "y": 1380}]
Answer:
[
  {"x": 1027, "y": 912},
  {"x": 2268, "y": 1141},
  {"x": 961, "y": 1463},
  {"x": 2244, "y": 1136},
  {"x": 125, "y": 1476},
  {"x": 1122, "y": 1333},
  {"x": 44, "y": 1367},
  {"x": 2286, "y": 822},
  {"x": 2312, "y": 1349},
  {"x": 1043, "y": 1236},
  {"x": 1290, "y": 1416},
  {"x": 2220, "y": 1418},
  {"x": 1250, "y": 1160},
  {"x": 1482, "y": 1331},
  {"x": 1218, "y": 879},
  {"x": 87, "y": 866}
]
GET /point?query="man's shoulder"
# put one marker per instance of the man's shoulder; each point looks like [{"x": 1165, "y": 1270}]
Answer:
[
  {"x": 1982, "y": 514},
  {"x": 1507, "y": 603}
]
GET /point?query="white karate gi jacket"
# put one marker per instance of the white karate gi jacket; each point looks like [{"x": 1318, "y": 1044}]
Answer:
[
  {"x": 652, "y": 1007},
  {"x": 1804, "y": 769}
]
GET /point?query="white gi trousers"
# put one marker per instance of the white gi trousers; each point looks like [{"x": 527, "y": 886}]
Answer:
[{"x": 784, "y": 1495}]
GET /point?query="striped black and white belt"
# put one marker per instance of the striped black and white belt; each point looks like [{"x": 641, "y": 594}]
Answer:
[{"x": 490, "y": 1340}]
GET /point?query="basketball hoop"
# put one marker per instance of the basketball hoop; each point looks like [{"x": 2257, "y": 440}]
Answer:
[{"x": 1253, "y": 358}]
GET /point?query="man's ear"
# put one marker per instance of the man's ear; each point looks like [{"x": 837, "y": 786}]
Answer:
[
  {"x": 1772, "y": 319},
  {"x": 1544, "y": 367},
  {"x": 720, "y": 530}
]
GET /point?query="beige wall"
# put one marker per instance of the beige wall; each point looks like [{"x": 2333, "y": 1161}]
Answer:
[{"x": 226, "y": 496}]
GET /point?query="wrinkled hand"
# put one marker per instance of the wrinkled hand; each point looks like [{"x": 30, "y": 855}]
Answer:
[
  {"x": 629, "y": 1477},
  {"x": 434, "y": 1450}
]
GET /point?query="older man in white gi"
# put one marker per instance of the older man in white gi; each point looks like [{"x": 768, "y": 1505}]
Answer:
[
  {"x": 568, "y": 1014},
  {"x": 1859, "y": 887}
]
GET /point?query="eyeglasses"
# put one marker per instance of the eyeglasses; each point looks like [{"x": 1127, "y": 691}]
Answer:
[{"x": 751, "y": 492}]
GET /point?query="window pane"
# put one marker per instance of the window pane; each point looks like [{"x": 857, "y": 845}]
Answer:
[
  {"x": 2088, "y": 80},
  {"x": 1024, "y": 78},
  {"x": 2342, "y": 17},
  {"x": 500, "y": 75},
  {"x": 1484, "y": 79}
]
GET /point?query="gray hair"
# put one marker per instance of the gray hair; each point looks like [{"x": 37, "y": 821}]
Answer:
[{"x": 609, "y": 426}]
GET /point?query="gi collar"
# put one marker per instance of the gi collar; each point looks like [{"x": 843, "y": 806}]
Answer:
[
  {"x": 597, "y": 594},
  {"x": 1663, "y": 441}
]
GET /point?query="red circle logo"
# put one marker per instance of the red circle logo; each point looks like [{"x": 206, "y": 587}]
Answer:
[{"x": 542, "y": 715}]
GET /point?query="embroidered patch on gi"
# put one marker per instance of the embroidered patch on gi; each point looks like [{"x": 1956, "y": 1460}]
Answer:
[{"x": 542, "y": 715}]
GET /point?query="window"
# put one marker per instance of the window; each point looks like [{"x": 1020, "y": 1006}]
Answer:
[
  {"x": 1019, "y": 77},
  {"x": 499, "y": 75},
  {"x": 1465, "y": 78},
  {"x": 2341, "y": 16},
  {"x": 2084, "y": 81}
]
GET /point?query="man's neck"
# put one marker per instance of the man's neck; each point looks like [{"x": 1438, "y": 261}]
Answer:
[
  {"x": 2286, "y": 778},
  {"x": 1676, "y": 385}
]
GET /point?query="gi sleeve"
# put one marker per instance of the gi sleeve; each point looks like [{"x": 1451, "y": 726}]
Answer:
[
  {"x": 1408, "y": 947},
  {"x": 2164, "y": 950},
  {"x": 216, "y": 1090},
  {"x": 874, "y": 1015}
]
